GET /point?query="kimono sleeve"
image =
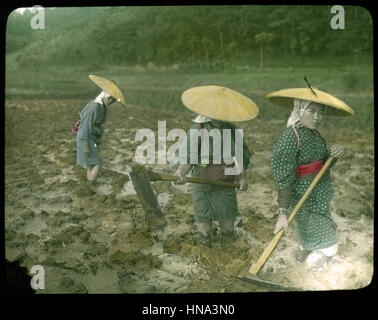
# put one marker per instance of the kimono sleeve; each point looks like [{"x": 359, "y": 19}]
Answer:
[
  {"x": 284, "y": 159},
  {"x": 328, "y": 154},
  {"x": 87, "y": 122},
  {"x": 186, "y": 152},
  {"x": 247, "y": 153}
]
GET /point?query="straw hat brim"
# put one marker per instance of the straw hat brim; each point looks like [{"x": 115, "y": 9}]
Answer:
[
  {"x": 109, "y": 87},
  {"x": 285, "y": 97},
  {"x": 219, "y": 103}
]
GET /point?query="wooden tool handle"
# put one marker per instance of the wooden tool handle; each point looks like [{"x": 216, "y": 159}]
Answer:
[
  {"x": 212, "y": 182},
  {"x": 154, "y": 176},
  {"x": 255, "y": 268}
]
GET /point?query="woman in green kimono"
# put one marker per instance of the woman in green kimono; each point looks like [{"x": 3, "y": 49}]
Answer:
[
  {"x": 297, "y": 156},
  {"x": 92, "y": 117}
]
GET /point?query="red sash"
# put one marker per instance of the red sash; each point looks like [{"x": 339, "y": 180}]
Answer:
[{"x": 310, "y": 168}]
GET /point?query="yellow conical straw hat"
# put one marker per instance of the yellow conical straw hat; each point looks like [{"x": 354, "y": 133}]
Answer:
[
  {"x": 109, "y": 87},
  {"x": 219, "y": 103},
  {"x": 285, "y": 97}
]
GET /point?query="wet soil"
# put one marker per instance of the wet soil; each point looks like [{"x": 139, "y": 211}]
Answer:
[{"x": 96, "y": 238}]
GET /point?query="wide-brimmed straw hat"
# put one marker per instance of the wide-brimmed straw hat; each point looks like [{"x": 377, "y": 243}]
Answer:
[
  {"x": 110, "y": 87},
  {"x": 285, "y": 97},
  {"x": 219, "y": 103}
]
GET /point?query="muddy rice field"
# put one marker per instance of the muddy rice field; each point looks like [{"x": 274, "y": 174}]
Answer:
[{"x": 96, "y": 238}]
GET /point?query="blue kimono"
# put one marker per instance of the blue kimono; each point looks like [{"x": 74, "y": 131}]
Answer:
[
  {"x": 214, "y": 202},
  {"x": 92, "y": 117}
]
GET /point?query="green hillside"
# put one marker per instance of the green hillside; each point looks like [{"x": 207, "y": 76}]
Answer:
[
  {"x": 201, "y": 36},
  {"x": 155, "y": 53}
]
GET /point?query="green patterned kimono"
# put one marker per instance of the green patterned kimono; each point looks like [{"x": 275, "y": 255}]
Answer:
[
  {"x": 313, "y": 223},
  {"x": 214, "y": 202}
]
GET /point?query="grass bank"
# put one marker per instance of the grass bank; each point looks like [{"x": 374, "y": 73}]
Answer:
[{"x": 155, "y": 87}]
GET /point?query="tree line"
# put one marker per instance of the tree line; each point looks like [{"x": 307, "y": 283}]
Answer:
[{"x": 202, "y": 35}]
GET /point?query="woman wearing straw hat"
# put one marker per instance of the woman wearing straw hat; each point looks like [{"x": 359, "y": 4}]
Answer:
[
  {"x": 215, "y": 106},
  {"x": 92, "y": 117},
  {"x": 297, "y": 156}
]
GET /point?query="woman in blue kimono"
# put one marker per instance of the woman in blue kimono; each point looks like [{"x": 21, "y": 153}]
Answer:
[
  {"x": 90, "y": 133},
  {"x": 92, "y": 117},
  {"x": 213, "y": 202}
]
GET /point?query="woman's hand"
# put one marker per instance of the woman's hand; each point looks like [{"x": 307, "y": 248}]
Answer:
[
  {"x": 243, "y": 184},
  {"x": 336, "y": 151},
  {"x": 243, "y": 181},
  {"x": 282, "y": 222},
  {"x": 181, "y": 172}
]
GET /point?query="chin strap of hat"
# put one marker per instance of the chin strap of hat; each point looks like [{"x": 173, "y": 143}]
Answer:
[{"x": 297, "y": 135}]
